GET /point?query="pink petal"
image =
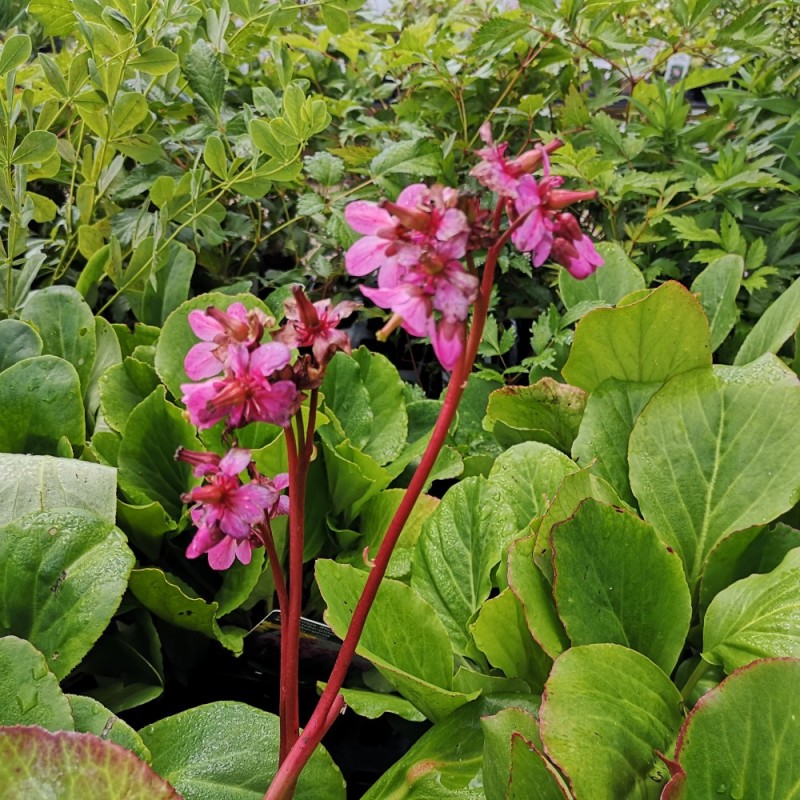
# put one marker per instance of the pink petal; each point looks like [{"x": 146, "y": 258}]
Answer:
[
  {"x": 453, "y": 223},
  {"x": 221, "y": 556},
  {"x": 244, "y": 551},
  {"x": 270, "y": 357},
  {"x": 365, "y": 217},
  {"x": 234, "y": 461},
  {"x": 201, "y": 363},
  {"x": 203, "y": 541},
  {"x": 448, "y": 342},
  {"x": 204, "y": 327},
  {"x": 274, "y": 403},
  {"x": 413, "y": 195},
  {"x": 366, "y": 255}
]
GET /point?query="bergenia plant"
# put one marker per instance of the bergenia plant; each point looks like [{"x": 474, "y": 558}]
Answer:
[{"x": 422, "y": 247}]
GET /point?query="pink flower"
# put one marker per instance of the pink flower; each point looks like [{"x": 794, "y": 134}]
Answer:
[
  {"x": 219, "y": 330},
  {"x": 501, "y": 175},
  {"x": 245, "y": 394},
  {"x": 314, "y": 325},
  {"x": 226, "y": 510},
  {"x": 544, "y": 232},
  {"x": 573, "y": 249},
  {"x": 420, "y": 278},
  {"x": 423, "y": 226}
]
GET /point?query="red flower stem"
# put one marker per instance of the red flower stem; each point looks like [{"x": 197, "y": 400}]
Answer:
[
  {"x": 264, "y": 531},
  {"x": 282, "y": 787},
  {"x": 312, "y": 421},
  {"x": 290, "y": 615}
]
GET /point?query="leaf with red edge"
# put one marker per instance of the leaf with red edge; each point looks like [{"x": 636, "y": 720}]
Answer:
[
  {"x": 741, "y": 739},
  {"x": 74, "y": 766}
]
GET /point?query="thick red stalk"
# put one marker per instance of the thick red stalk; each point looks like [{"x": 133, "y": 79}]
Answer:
[
  {"x": 299, "y": 450},
  {"x": 282, "y": 787}
]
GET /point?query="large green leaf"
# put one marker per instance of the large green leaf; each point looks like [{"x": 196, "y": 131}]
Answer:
[
  {"x": 500, "y": 633},
  {"x": 513, "y": 764},
  {"x": 528, "y": 476},
  {"x": 374, "y": 704},
  {"x": 743, "y": 553},
  {"x": 148, "y": 470},
  {"x": 93, "y": 717},
  {"x": 615, "y": 581},
  {"x": 602, "y": 441},
  {"x": 548, "y": 412},
  {"x": 773, "y": 328},
  {"x": 168, "y": 599},
  {"x": 741, "y": 739},
  {"x": 123, "y": 387},
  {"x": 709, "y": 457},
  {"x": 618, "y": 277},
  {"x": 65, "y": 574},
  {"x": 533, "y": 591},
  {"x": 108, "y": 355},
  {"x": 40, "y": 402},
  {"x": 18, "y": 340},
  {"x": 66, "y": 324},
  {"x": 717, "y": 286},
  {"x": 29, "y": 692},
  {"x": 389, "y": 429},
  {"x": 605, "y": 713},
  {"x": 416, "y": 657},
  {"x": 74, "y": 766},
  {"x": 756, "y": 617},
  {"x": 348, "y": 399},
  {"x": 229, "y": 751},
  {"x": 460, "y": 545},
  {"x": 575, "y": 488},
  {"x": 39, "y": 483},
  {"x": 647, "y": 341},
  {"x": 178, "y": 338},
  {"x": 446, "y": 762}
]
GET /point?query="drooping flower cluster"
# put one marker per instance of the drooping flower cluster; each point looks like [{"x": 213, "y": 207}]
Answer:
[
  {"x": 225, "y": 510},
  {"x": 416, "y": 245},
  {"x": 418, "y": 242},
  {"x": 544, "y": 229},
  {"x": 244, "y": 380}
]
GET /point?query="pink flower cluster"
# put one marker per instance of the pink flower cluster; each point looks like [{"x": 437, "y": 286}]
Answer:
[
  {"x": 226, "y": 510},
  {"x": 248, "y": 390},
  {"x": 416, "y": 245},
  {"x": 543, "y": 229},
  {"x": 244, "y": 380}
]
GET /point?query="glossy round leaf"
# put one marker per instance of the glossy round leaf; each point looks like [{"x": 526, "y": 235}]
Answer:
[
  {"x": 148, "y": 471},
  {"x": 647, "y": 341},
  {"x": 460, "y": 545},
  {"x": 29, "y": 692},
  {"x": 615, "y": 581},
  {"x": 416, "y": 658},
  {"x": 64, "y": 575},
  {"x": 40, "y": 401},
  {"x": 229, "y": 751},
  {"x": 742, "y": 738},
  {"x": 41, "y": 483},
  {"x": 709, "y": 457},
  {"x": 446, "y": 762},
  {"x": 606, "y": 711},
  {"x": 66, "y": 324},
  {"x": 756, "y": 617},
  {"x": 17, "y": 342},
  {"x": 602, "y": 440},
  {"x": 74, "y": 766},
  {"x": 528, "y": 476},
  {"x": 91, "y": 716}
]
